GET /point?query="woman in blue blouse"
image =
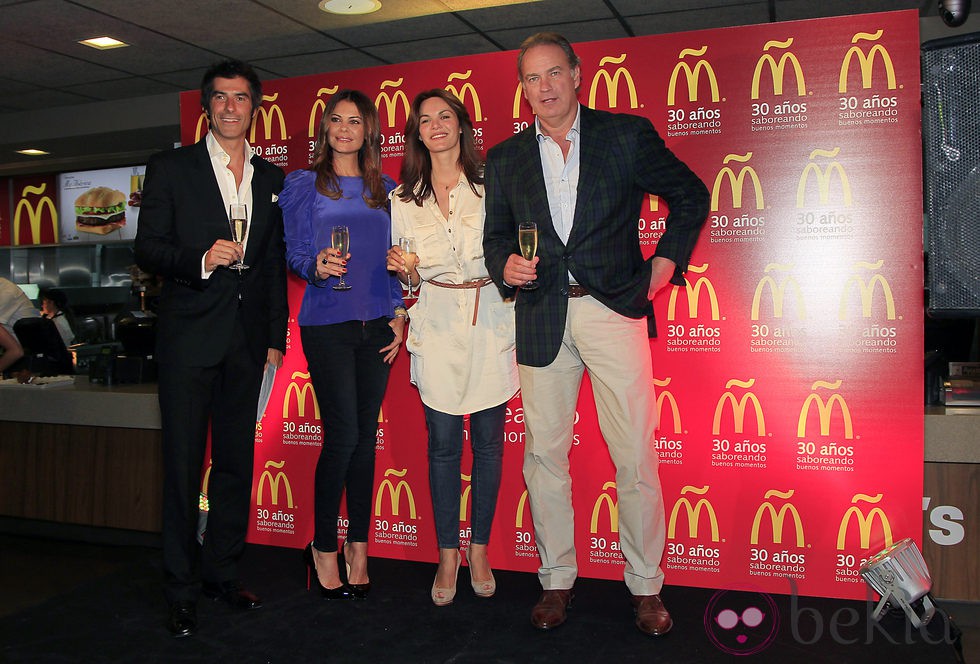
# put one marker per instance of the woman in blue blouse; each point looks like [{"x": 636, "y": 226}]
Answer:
[{"x": 350, "y": 337}]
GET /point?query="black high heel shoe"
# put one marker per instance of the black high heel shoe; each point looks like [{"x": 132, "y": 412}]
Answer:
[
  {"x": 362, "y": 589},
  {"x": 343, "y": 591}
]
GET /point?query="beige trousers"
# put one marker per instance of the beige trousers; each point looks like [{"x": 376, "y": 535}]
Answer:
[{"x": 615, "y": 350}]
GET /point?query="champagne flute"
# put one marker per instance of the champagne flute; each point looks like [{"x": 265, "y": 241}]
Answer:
[
  {"x": 340, "y": 240},
  {"x": 527, "y": 238},
  {"x": 411, "y": 258},
  {"x": 238, "y": 221}
]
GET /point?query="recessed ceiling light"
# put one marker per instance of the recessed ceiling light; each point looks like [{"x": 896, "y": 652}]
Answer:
[
  {"x": 103, "y": 43},
  {"x": 32, "y": 152},
  {"x": 350, "y": 6}
]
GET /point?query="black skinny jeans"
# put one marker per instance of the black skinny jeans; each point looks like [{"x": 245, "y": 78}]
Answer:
[{"x": 349, "y": 377}]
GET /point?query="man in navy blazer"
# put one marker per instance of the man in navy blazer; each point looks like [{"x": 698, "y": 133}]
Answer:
[
  {"x": 582, "y": 175},
  {"x": 217, "y": 329}
]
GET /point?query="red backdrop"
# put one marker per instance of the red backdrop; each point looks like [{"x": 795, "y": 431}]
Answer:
[{"x": 789, "y": 370}]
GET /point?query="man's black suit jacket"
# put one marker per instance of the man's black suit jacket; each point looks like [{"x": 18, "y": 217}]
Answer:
[
  {"x": 181, "y": 215},
  {"x": 621, "y": 158}
]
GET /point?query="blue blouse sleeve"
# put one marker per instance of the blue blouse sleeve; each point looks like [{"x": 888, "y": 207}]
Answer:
[
  {"x": 296, "y": 200},
  {"x": 396, "y": 287}
]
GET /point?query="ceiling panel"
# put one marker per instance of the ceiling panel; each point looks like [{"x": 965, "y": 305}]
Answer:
[{"x": 47, "y": 80}]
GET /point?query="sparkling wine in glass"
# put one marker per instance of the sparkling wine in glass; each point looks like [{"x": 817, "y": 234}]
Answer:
[
  {"x": 238, "y": 221},
  {"x": 407, "y": 245},
  {"x": 527, "y": 238},
  {"x": 340, "y": 240}
]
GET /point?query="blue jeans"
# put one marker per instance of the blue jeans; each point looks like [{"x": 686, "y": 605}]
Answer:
[
  {"x": 445, "y": 454},
  {"x": 349, "y": 377}
]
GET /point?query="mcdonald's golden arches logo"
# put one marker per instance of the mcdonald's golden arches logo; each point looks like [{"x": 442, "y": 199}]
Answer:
[
  {"x": 692, "y": 75},
  {"x": 466, "y": 89},
  {"x": 778, "y": 291},
  {"x": 38, "y": 212},
  {"x": 865, "y": 522},
  {"x": 825, "y": 409},
  {"x": 319, "y": 106},
  {"x": 303, "y": 392},
  {"x": 391, "y": 103},
  {"x": 274, "y": 482},
  {"x": 737, "y": 182},
  {"x": 778, "y": 69},
  {"x": 394, "y": 492},
  {"x": 823, "y": 176},
  {"x": 866, "y": 287},
  {"x": 464, "y": 499},
  {"x": 522, "y": 508},
  {"x": 665, "y": 396},
  {"x": 612, "y": 82},
  {"x": 777, "y": 518},
  {"x": 738, "y": 407},
  {"x": 693, "y": 513},
  {"x": 266, "y": 118},
  {"x": 613, "y": 506},
  {"x": 694, "y": 294},
  {"x": 867, "y": 61}
]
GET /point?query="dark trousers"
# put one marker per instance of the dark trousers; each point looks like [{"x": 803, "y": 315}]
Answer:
[
  {"x": 445, "y": 454},
  {"x": 349, "y": 377},
  {"x": 224, "y": 396}
]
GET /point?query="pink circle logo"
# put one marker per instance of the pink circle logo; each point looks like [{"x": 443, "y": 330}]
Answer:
[{"x": 741, "y": 623}]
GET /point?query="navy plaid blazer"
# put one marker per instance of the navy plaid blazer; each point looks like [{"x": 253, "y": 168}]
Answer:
[{"x": 622, "y": 158}]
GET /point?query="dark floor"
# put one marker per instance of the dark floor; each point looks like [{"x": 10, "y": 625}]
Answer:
[{"x": 68, "y": 601}]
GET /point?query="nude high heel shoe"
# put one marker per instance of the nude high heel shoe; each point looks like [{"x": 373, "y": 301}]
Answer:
[
  {"x": 445, "y": 596},
  {"x": 481, "y": 588}
]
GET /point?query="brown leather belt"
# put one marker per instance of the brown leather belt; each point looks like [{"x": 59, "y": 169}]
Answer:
[
  {"x": 574, "y": 290},
  {"x": 478, "y": 284}
]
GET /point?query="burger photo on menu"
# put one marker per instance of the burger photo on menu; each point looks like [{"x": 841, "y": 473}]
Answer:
[{"x": 100, "y": 210}]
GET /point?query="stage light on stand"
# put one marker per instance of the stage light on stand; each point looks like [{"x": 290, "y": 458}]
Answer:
[{"x": 900, "y": 576}]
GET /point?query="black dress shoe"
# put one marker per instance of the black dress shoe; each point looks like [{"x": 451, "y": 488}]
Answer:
[
  {"x": 183, "y": 619},
  {"x": 233, "y": 594}
]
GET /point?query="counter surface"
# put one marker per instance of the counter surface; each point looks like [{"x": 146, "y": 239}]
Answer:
[{"x": 84, "y": 403}]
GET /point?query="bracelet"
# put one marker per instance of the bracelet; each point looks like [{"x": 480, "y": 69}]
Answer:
[{"x": 401, "y": 312}]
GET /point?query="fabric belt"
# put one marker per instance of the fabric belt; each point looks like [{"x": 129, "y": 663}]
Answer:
[
  {"x": 574, "y": 290},
  {"x": 478, "y": 284}
]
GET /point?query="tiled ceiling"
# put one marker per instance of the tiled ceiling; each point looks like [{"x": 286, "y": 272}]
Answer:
[{"x": 94, "y": 108}]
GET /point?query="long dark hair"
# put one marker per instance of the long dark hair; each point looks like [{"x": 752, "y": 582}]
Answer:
[
  {"x": 416, "y": 174},
  {"x": 368, "y": 157}
]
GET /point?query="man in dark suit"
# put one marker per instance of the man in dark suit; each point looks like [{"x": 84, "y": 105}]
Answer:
[
  {"x": 217, "y": 329},
  {"x": 581, "y": 175}
]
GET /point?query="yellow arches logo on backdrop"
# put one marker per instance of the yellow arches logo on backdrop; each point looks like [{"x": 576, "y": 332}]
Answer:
[
  {"x": 777, "y": 292},
  {"x": 274, "y": 482},
  {"x": 737, "y": 182},
  {"x": 612, "y": 82},
  {"x": 692, "y": 76},
  {"x": 777, "y": 518},
  {"x": 394, "y": 492},
  {"x": 867, "y": 61},
  {"x": 466, "y": 89},
  {"x": 738, "y": 407},
  {"x": 303, "y": 393},
  {"x": 612, "y": 505},
  {"x": 865, "y": 522},
  {"x": 825, "y": 410},
  {"x": 693, "y": 513},
  {"x": 694, "y": 294},
  {"x": 777, "y": 70},
  {"x": 391, "y": 103}
]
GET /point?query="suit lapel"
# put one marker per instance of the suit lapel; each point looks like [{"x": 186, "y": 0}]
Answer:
[
  {"x": 530, "y": 175},
  {"x": 592, "y": 150}
]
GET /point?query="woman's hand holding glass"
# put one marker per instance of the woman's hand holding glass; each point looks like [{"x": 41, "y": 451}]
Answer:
[
  {"x": 402, "y": 260},
  {"x": 329, "y": 263}
]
